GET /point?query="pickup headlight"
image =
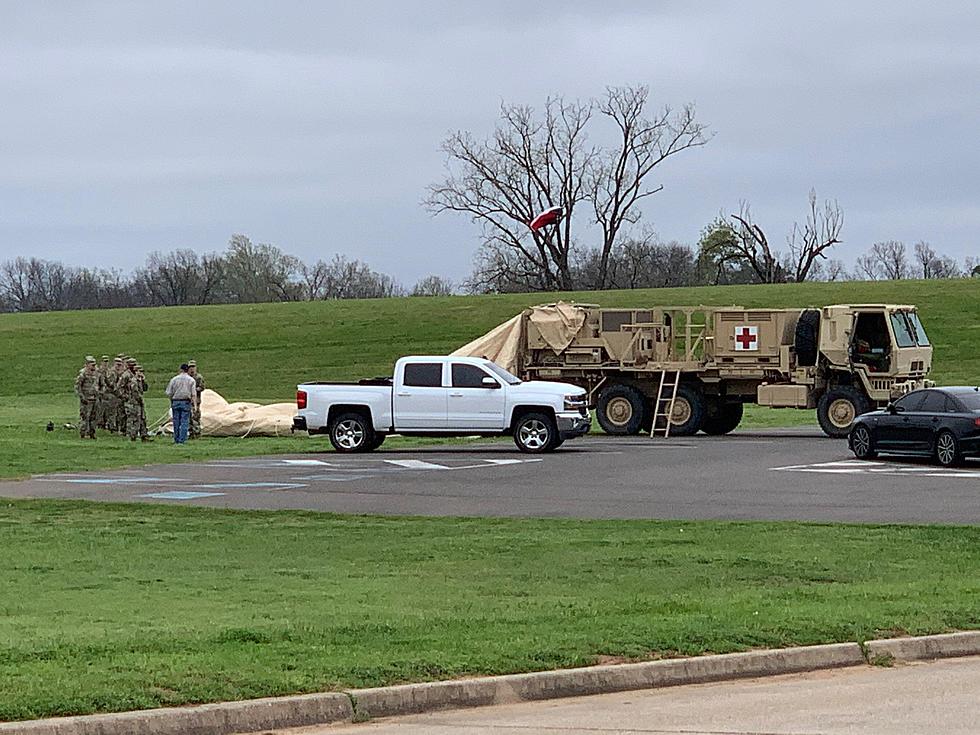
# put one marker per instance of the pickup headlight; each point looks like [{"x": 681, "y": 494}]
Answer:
[{"x": 575, "y": 402}]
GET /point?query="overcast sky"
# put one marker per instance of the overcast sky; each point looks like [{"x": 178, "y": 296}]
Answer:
[{"x": 130, "y": 127}]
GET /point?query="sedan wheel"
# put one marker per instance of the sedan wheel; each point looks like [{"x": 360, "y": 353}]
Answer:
[
  {"x": 861, "y": 443},
  {"x": 947, "y": 450}
]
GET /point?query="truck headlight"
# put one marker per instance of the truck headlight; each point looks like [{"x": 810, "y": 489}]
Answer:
[{"x": 575, "y": 402}]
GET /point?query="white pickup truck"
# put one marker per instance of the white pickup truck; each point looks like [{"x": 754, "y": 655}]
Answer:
[{"x": 443, "y": 396}]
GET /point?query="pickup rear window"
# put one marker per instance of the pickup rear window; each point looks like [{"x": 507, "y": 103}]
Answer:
[{"x": 423, "y": 374}]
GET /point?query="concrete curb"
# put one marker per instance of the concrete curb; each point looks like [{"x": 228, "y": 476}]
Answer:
[
  {"x": 319, "y": 709},
  {"x": 414, "y": 698},
  {"x": 207, "y": 719},
  {"x": 924, "y": 648}
]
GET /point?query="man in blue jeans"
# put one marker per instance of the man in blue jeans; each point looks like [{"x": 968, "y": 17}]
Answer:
[{"x": 182, "y": 391}]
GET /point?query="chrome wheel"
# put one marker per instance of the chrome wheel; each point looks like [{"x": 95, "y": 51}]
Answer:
[
  {"x": 534, "y": 434},
  {"x": 946, "y": 449},
  {"x": 861, "y": 443},
  {"x": 349, "y": 434}
]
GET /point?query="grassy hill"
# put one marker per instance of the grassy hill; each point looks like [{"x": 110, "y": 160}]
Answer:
[{"x": 261, "y": 351}]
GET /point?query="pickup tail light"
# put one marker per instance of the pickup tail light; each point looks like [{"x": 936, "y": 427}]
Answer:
[{"x": 300, "y": 399}]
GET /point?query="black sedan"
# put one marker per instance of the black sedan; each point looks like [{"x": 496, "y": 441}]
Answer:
[{"x": 943, "y": 423}]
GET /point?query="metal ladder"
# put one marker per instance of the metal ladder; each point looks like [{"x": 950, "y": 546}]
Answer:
[{"x": 663, "y": 409}]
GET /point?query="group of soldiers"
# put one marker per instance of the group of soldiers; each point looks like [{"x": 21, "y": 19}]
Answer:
[{"x": 110, "y": 398}]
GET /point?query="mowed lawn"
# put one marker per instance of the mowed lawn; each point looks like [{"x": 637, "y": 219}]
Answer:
[
  {"x": 113, "y": 607},
  {"x": 261, "y": 351}
]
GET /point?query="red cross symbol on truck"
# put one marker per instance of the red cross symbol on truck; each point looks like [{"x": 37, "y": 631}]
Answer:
[{"x": 746, "y": 338}]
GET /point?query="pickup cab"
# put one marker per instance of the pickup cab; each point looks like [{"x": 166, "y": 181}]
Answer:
[{"x": 443, "y": 396}]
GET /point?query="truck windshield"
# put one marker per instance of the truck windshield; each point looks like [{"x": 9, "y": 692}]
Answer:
[
  {"x": 920, "y": 331},
  {"x": 904, "y": 334},
  {"x": 503, "y": 374}
]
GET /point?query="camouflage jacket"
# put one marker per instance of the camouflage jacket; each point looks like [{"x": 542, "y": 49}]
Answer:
[
  {"x": 127, "y": 387},
  {"x": 199, "y": 382},
  {"x": 88, "y": 385}
]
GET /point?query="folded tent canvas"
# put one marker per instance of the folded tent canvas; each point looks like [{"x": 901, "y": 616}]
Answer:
[{"x": 240, "y": 419}]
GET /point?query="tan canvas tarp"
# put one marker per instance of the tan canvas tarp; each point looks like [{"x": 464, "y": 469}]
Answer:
[
  {"x": 241, "y": 419},
  {"x": 557, "y": 323}
]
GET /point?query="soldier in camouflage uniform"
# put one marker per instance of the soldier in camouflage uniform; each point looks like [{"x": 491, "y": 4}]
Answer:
[
  {"x": 119, "y": 404},
  {"x": 88, "y": 386},
  {"x": 195, "y": 432},
  {"x": 112, "y": 402},
  {"x": 128, "y": 390},
  {"x": 102, "y": 407},
  {"x": 141, "y": 382}
]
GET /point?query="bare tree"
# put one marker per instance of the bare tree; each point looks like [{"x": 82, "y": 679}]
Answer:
[
  {"x": 741, "y": 242},
  {"x": 314, "y": 279},
  {"x": 531, "y": 163},
  {"x": 620, "y": 174},
  {"x": 259, "y": 273},
  {"x": 819, "y": 232},
  {"x": 890, "y": 259},
  {"x": 433, "y": 286}
]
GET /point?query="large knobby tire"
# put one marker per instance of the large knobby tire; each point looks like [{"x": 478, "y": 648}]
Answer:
[
  {"x": 535, "y": 433},
  {"x": 947, "y": 449},
  {"x": 621, "y": 410},
  {"x": 352, "y": 432},
  {"x": 689, "y": 411},
  {"x": 838, "y": 408},
  {"x": 862, "y": 443},
  {"x": 724, "y": 418}
]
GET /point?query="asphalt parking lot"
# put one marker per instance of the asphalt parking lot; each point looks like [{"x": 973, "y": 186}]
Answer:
[{"x": 786, "y": 475}]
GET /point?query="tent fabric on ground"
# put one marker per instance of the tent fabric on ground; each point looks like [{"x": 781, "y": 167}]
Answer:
[
  {"x": 240, "y": 419},
  {"x": 556, "y": 323}
]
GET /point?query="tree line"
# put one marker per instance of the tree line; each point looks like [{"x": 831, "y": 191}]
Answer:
[{"x": 245, "y": 272}]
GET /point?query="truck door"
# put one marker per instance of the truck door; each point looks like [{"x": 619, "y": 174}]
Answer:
[
  {"x": 473, "y": 405},
  {"x": 420, "y": 400}
]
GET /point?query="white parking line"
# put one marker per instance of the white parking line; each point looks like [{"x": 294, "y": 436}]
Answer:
[{"x": 415, "y": 464}]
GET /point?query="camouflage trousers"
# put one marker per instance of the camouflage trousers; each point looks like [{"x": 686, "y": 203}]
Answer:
[
  {"x": 136, "y": 420},
  {"x": 195, "y": 431},
  {"x": 87, "y": 408},
  {"x": 119, "y": 410}
]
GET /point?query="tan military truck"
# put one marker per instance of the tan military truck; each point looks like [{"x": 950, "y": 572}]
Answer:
[{"x": 678, "y": 370}]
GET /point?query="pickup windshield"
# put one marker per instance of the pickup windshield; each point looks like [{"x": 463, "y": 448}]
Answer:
[{"x": 502, "y": 374}]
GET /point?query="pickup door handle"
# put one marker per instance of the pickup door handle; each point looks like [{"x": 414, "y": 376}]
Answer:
[
  {"x": 455, "y": 395},
  {"x": 404, "y": 395}
]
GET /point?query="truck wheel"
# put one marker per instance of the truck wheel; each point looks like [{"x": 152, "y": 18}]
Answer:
[
  {"x": 724, "y": 419},
  {"x": 535, "y": 433},
  {"x": 689, "y": 411},
  {"x": 621, "y": 410},
  {"x": 352, "y": 432},
  {"x": 837, "y": 409}
]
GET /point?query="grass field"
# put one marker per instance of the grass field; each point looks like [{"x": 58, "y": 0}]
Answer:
[
  {"x": 260, "y": 352},
  {"x": 110, "y": 607}
]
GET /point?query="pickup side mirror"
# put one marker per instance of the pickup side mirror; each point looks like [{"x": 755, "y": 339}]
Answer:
[{"x": 489, "y": 382}]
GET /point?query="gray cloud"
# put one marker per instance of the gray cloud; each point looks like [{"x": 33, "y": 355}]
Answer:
[{"x": 127, "y": 127}]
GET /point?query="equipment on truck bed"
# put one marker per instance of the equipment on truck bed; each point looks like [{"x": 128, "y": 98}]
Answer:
[{"x": 703, "y": 363}]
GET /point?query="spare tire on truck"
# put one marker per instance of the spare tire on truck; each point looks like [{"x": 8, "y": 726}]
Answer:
[
  {"x": 621, "y": 409},
  {"x": 838, "y": 407},
  {"x": 806, "y": 339}
]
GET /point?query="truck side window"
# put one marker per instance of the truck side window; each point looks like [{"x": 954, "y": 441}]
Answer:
[
  {"x": 423, "y": 375},
  {"x": 468, "y": 376}
]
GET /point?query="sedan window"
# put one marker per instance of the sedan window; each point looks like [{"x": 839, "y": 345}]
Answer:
[
  {"x": 970, "y": 400},
  {"x": 935, "y": 402},
  {"x": 911, "y": 401}
]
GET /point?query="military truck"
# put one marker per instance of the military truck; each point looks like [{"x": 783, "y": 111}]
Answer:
[{"x": 681, "y": 369}]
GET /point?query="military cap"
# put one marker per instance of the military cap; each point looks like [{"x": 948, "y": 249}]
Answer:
[
  {"x": 138, "y": 366},
  {"x": 191, "y": 363},
  {"x": 118, "y": 359},
  {"x": 131, "y": 361},
  {"x": 89, "y": 358},
  {"x": 105, "y": 357},
  {"x": 121, "y": 355}
]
